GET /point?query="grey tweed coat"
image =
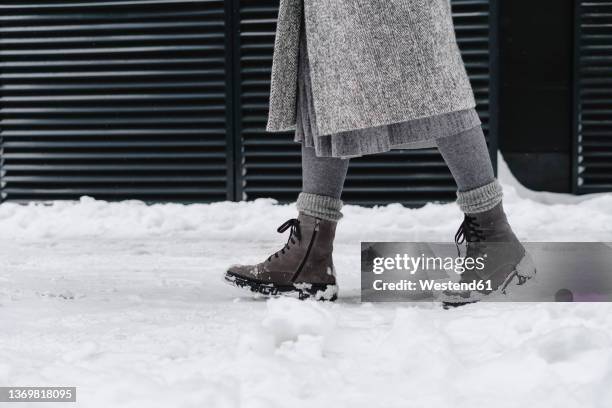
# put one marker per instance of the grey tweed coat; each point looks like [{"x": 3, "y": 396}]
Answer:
[{"x": 372, "y": 63}]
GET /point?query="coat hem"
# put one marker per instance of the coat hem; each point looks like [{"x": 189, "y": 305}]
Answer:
[
  {"x": 280, "y": 129},
  {"x": 366, "y": 124},
  {"x": 277, "y": 128}
]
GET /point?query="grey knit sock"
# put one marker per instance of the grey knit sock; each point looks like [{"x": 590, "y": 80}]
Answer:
[
  {"x": 480, "y": 199},
  {"x": 324, "y": 207}
]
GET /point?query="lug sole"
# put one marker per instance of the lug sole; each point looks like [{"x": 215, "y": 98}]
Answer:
[{"x": 302, "y": 291}]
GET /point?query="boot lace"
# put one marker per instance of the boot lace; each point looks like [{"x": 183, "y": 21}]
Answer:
[
  {"x": 294, "y": 235},
  {"x": 469, "y": 231}
]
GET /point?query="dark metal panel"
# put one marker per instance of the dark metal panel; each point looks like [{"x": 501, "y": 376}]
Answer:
[
  {"x": 593, "y": 97},
  {"x": 271, "y": 162},
  {"x": 122, "y": 99}
]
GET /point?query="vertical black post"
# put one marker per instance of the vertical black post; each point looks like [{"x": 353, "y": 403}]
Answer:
[
  {"x": 576, "y": 113},
  {"x": 236, "y": 98},
  {"x": 229, "y": 101},
  {"x": 494, "y": 80}
]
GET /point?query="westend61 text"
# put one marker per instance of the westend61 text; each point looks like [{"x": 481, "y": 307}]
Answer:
[{"x": 431, "y": 285}]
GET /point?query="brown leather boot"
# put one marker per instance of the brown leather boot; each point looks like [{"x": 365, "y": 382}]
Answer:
[
  {"x": 303, "y": 267},
  {"x": 506, "y": 262}
]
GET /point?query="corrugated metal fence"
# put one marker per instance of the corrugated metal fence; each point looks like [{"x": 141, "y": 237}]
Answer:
[
  {"x": 593, "y": 97},
  {"x": 114, "y": 99},
  {"x": 166, "y": 100}
]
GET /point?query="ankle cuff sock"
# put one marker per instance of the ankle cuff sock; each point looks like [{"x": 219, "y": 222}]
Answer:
[
  {"x": 324, "y": 207},
  {"x": 480, "y": 199}
]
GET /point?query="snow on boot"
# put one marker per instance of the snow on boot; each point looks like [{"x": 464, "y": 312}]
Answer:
[
  {"x": 507, "y": 264},
  {"x": 303, "y": 267}
]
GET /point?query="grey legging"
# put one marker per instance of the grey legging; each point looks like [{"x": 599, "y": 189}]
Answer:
[{"x": 465, "y": 154}]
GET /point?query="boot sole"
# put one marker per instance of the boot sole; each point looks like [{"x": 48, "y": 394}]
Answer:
[
  {"x": 525, "y": 271},
  {"x": 300, "y": 291}
]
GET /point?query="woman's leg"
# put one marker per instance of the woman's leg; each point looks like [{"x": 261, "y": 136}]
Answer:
[
  {"x": 322, "y": 183},
  {"x": 468, "y": 159},
  {"x": 479, "y": 196},
  {"x": 304, "y": 267}
]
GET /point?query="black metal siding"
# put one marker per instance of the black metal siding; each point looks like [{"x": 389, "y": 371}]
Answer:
[
  {"x": 271, "y": 162},
  {"x": 593, "y": 97},
  {"x": 114, "y": 99}
]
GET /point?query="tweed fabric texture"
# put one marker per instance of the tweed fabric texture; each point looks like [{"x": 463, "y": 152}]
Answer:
[
  {"x": 372, "y": 63},
  {"x": 413, "y": 134},
  {"x": 319, "y": 206},
  {"x": 282, "y": 113}
]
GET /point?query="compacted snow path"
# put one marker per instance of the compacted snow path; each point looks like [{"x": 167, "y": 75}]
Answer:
[{"x": 126, "y": 302}]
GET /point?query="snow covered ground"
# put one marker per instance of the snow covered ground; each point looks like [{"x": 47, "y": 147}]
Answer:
[{"x": 126, "y": 302}]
